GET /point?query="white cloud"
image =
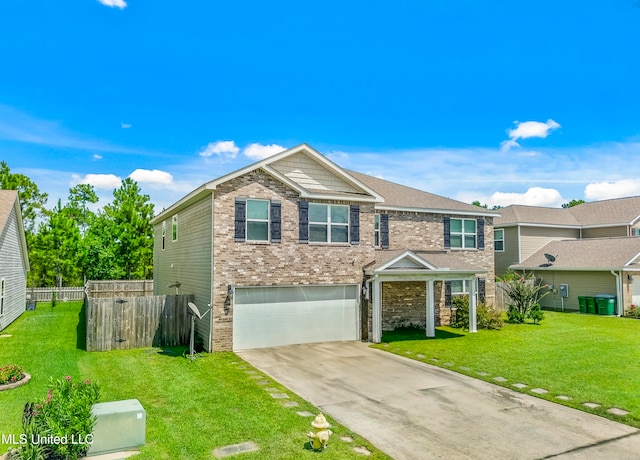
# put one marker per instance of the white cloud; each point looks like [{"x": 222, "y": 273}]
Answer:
[
  {"x": 260, "y": 152},
  {"x": 154, "y": 176},
  {"x": 224, "y": 149},
  {"x": 114, "y": 3},
  {"x": 607, "y": 190},
  {"x": 125, "y": 125},
  {"x": 528, "y": 129},
  {"x": 97, "y": 157},
  {"x": 99, "y": 181},
  {"x": 534, "y": 196}
]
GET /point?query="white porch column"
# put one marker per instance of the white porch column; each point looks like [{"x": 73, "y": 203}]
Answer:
[
  {"x": 377, "y": 311},
  {"x": 431, "y": 311},
  {"x": 473, "y": 319}
]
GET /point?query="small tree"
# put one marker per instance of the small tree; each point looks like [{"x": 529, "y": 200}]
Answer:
[{"x": 524, "y": 295}]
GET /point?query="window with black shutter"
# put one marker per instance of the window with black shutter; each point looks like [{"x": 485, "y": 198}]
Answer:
[
  {"x": 384, "y": 231},
  {"x": 303, "y": 221},
  {"x": 276, "y": 222},
  {"x": 240, "y": 220}
]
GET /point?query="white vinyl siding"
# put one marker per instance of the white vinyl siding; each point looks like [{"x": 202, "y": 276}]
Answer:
[{"x": 13, "y": 271}]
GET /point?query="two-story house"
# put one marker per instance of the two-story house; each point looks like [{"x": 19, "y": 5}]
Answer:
[
  {"x": 294, "y": 249},
  {"x": 588, "y": 249}
]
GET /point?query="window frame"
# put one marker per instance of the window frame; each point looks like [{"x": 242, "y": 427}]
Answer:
[
  {"x": 329, "y": 224},
  {"x": 376, "y": 231},
  {"x": 247, "y": 220},
  {"x": 2, "y": 294},
  {"x": 465, "y": 288},
  {"x": 498, "y": 240},
  {"x": 164, "y": 234},
  {"x": 174, "y": 228},
  {"x": 463, "y": 234}
]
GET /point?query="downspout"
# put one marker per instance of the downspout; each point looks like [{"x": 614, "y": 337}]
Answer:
[{"x": 620, "y": 300}]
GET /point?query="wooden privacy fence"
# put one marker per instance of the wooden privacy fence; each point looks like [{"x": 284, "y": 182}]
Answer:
[
  {"x": 63, "y": 294},
  {"x": 119, "y": 323},
  {"x": 120, "y": 288}
]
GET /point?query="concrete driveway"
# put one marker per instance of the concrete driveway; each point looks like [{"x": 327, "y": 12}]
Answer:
[{"x": 412, "y": 410}]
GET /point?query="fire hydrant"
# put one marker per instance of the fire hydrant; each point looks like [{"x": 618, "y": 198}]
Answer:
[{"x": 320, "y": 438}]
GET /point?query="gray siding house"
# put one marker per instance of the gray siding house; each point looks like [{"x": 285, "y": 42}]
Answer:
[
  {"x": 14, "y": 259},
  {"x": 295, "y": 249},
  {"x": 520, "y": 230}
]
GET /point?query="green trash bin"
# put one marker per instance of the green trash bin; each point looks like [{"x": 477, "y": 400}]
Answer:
[
  {"x": 582, "y": 301},
  {"x": 591, "y": 305},
  {"x": 606, "y": 304}
]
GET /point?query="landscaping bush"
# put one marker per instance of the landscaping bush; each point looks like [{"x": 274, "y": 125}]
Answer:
[
  {"x": 524, "y": 295},
  {"x": 58, "y": 427},
  {"x": 632, "y": 312},
  {"x": 11, "y": 374},
  {"x": 487, "y": 316}
]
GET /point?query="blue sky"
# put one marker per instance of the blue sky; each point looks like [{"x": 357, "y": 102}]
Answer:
[{"x": 502, "y": 102}]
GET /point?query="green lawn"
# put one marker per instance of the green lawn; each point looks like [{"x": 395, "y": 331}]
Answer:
[
  {"x": 192, "y": 407},
  {"x": 586, "y": 357}
]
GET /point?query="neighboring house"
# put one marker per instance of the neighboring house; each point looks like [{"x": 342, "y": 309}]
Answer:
[
  {"x": 520, "y": 230},
  {"x": 14, "y": 259},
  {"x": 588, "y": 267},
  {"x": 294, "y": 249}
]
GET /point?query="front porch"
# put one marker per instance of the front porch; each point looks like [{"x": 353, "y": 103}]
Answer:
[{"x": 409, "y": 288}]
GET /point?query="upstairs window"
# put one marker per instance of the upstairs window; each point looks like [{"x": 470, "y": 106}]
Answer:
[
  {"x": 328, "y": 223},
  {"x": 174, "y": 228},
  {"x": 498, "y": 240},
  {"x": 1, "y": 296},
  {"x": 164, "y": 233},
  {"x": 376, "y": 230},
  {"x": 463, "y": 233},
  {"x": 257, "y": 220}
]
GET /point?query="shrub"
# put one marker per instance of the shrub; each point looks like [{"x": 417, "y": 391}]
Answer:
[
  {"x": 524, "y": 295},
  {"x": 487, "y": 316},
  {"x": 632, "y": 312},
  {"x": 64, "y": 416},
  {"x": 11, "y": 374}
]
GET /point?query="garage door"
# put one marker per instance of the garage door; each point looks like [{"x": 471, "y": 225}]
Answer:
[{"x": 272, "y": 316}]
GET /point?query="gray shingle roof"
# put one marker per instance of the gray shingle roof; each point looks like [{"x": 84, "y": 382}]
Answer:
[
  {"x": 441, "y": 260},
  {"x": 585, "y": 254},
  {"x": 7, "y": 201},
  {"x": 619, "y": 211},
  {"x": 396, "y": 195}
]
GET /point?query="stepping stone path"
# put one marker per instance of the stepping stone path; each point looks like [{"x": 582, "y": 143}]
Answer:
[
  {"x": 362, "y": 450},
  {"x": 564, "y": 398},
  {"x": 448, "y": 364},
  {"x": 346, "y": 438},
  {"x": 500, "y": 379},
  {"x": 482, "y": 374},
  {"x": 591, "y": 405},
  {"x": 520, "y": 385},
  {"x": 305, "y": 414},
  {"x": 235, "y": 449},
  {"x": 616, "y": 411},
  {"x": 263, "y": 382},
  {"x": 408, "y": 352},
  {"x": 279, "y": 395},
  {"x": 421, "y": 356},
  {"x": 291, "y": 404},
  {"x": 539, "y": 391},
  {"x": 464, "y": 368},
  {"x": 435, "y": 359}
]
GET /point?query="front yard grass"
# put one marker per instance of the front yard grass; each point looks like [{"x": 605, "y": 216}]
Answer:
[
  {"x": 589, "y": 358},
  {"x": 192, "y": 407}
]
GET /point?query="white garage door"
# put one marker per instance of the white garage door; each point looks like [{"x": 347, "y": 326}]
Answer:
[{"x": 272, "y": 316}]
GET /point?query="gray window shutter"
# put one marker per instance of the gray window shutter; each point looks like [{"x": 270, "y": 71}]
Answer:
[
  {"x": 354, "y": 224},
  {"x": 276, "y": 222},
  {"x": 447, "y": 233},
  {"x": 384, "y": 231},
  {"x": 303, "y": 223},
  {"x": 482, "y": 289},
  {"x": 480, "y": 233},
  {"x": 240, "y": 219},
  {"x": 447, "y": 294}
]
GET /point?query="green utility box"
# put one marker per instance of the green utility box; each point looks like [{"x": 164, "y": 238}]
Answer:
[
  {"x": 582, "y": 301},
  {"x": 591, "y": 305},
  {"x": 606, "y": 304}
]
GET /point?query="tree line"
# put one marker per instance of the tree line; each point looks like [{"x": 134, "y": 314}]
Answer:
[{"x": 69, "y": 244}]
